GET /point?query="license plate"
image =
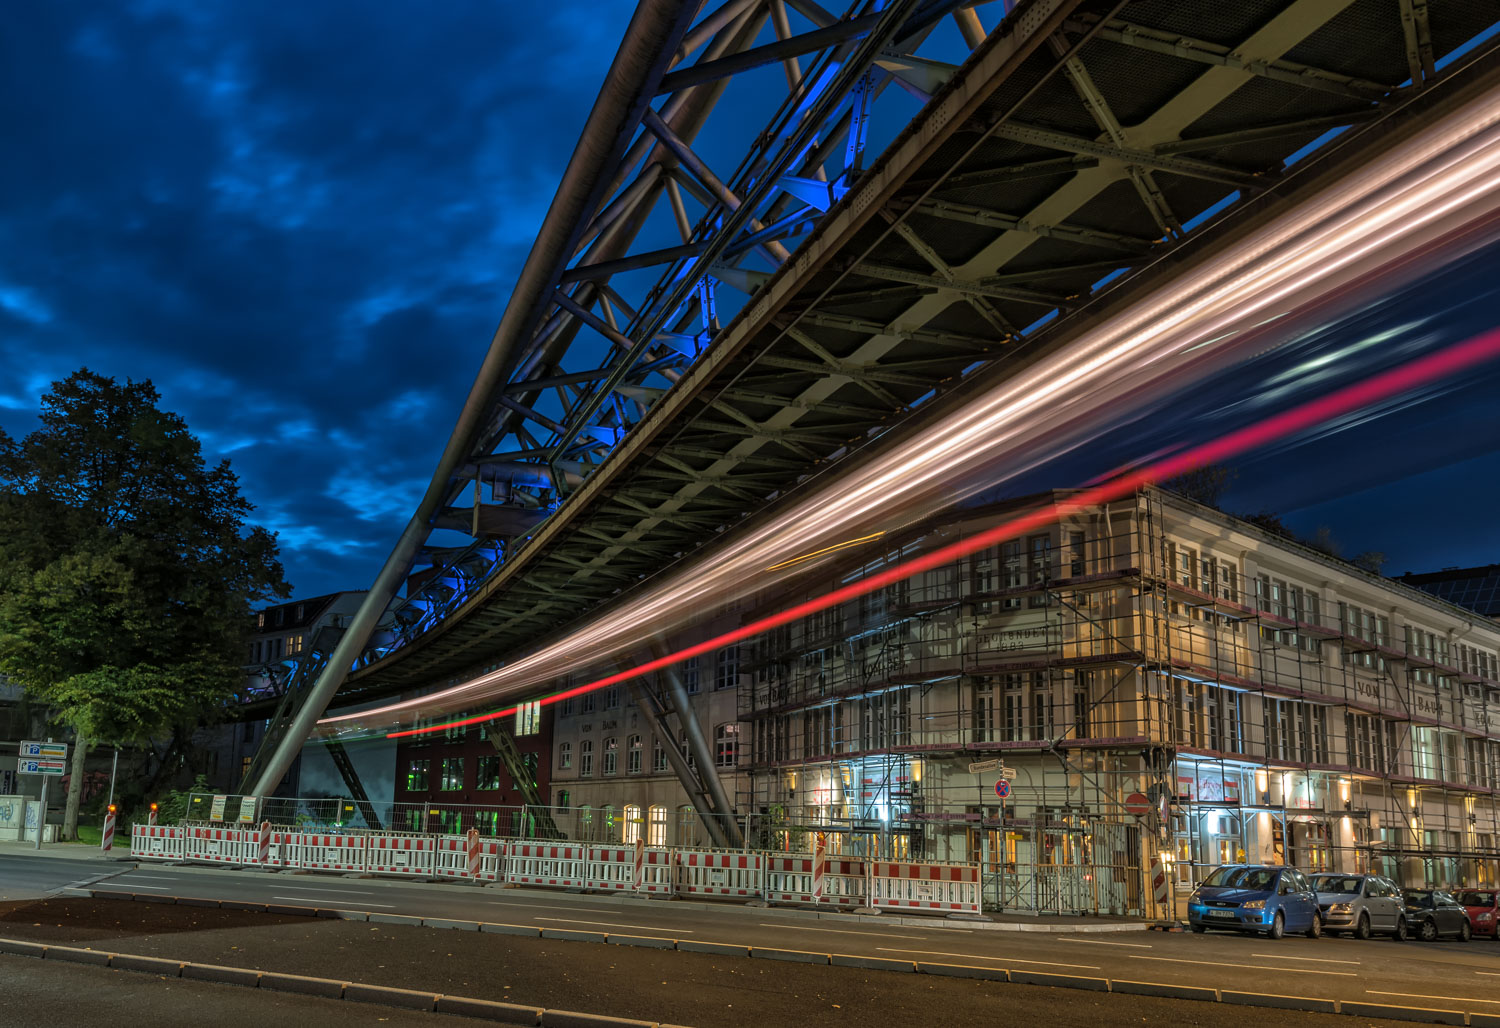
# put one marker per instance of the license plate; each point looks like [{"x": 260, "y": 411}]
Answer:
[{"x": 1220, "y": 913}]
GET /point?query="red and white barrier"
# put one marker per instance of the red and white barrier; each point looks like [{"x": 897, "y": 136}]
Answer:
[
  {"x": 1161, "y": 886},
  {"x": 473, "y": 854},
  {"x": 156, "y": 842},
  {"x": 720, "y": 873},
  {"x": 264, "y": 844},
  {"x": 555, "y": 864},
  {"x": 217, "y": 846},
  {"x": 107, "y": 843},
  {"x": 820, "y": 866},
  {"x": 316, "y": 851},
  {"x": 901, "y": 885},
  {"x": 401, "y": 854}
]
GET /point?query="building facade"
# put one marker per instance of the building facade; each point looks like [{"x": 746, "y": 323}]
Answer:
[
  {"x": 1476, "y": 589},
  {"x": 1163, "y": 685}
]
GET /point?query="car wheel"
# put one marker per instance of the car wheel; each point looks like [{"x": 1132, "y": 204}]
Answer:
[
  {"x": 1315, "y": 929},
  {"x": 1278, "y": 927},
  {"x": 1465, "y": 932},
  {"x": 1200, "y": 929},
  {"x": 1362, "y": 929},
  {"x": 1400, "y": 933},
  {"x": 1427, "y": 930}
]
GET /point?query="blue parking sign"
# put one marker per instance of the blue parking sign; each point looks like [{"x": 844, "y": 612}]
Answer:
[{"x": 1002, "y": 788}]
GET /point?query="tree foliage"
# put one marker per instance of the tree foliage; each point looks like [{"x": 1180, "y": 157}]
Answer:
[{"x": 127, "y": 570}]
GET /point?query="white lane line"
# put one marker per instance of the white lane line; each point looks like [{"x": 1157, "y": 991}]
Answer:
[
  {"x": 1311, "y": 960},
  {"x": 1253, "y": 967},
  {"x": 152, "y": 888},
  {"x": 1422, "y": 995},
  {"x": 841, "y": 931},
  {"x": 150, "y": 878},
  {"x": 611, "y": 924},
  {"x": 981, "y": 956},
  {"x": 337, "y": 892},
  {"x": 1097, "y": 942},
  {"x": 548, "y": 906},
  {"x": 303, "y": 899}
]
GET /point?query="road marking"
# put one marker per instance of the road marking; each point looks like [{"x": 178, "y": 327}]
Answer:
[
  {"x": 341, "y": 892},
  {"x": 841, "y": 931},
  {"x": 1097, "y": 942},
  {"x": 154, "y": 878},
  {"x": 382, "y": 906},
  {"x": 980, "y": 956},
  {"x": 151, "y": 888},
  {"x": 1313, "y": 960},
  {"x": 1253, "y": 967},
  {"x": 611, "y": 924},
  {"x": 1421, "y": 995}
]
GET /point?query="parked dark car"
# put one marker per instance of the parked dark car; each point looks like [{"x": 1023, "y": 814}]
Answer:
[
  {"x": 1481, "y": 908},
  {"x": 1433, "y": 914},
  {"x": 1360, "y": 904},
  {"x": 1259, "y": 898}
]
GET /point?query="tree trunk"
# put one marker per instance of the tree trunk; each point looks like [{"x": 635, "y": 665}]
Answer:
[{"x": 75, "y": 786}]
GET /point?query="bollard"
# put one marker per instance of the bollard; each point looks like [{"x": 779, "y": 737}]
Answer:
[
  {"x": 640, "y": 864},
  {"x": 151, "y": 820},
  {"x": 109, "y": 829},
  {"x": 473, "y": 839},
  {"x": 820, "y": 867},
  {"x": 265, "y": 843}
]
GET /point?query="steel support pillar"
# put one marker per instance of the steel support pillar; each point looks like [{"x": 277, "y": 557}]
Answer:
[
  {"x": 655, "y": 31},
  {"x": 691, "y": 783},
  {"x": 698, "y": 746}
]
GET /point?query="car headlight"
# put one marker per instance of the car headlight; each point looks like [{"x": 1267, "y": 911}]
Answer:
[
  {"x": 1253, "y": 905},
  {"x": 1487, "y": 916},
  {"x": 1339, "y": 908},
  {"x": 1196, "y": 897}
]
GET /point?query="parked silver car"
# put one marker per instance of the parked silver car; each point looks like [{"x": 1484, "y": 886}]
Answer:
[{"x": 1360, "y": 904}]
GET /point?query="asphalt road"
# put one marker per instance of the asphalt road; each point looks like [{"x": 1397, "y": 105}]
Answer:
[
  {"x": 682, "y": 988},
  {"x": 1443, "y": 974},
  {"x": 26, "y": 877}
]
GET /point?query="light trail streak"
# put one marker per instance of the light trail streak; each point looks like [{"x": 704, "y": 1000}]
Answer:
[
  {"x": 846, "y": 544},
  {"x": 1422, "y": 371},
  {"x": 1375, "y": 224}
]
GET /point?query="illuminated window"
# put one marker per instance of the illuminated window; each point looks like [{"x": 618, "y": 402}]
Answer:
[
  {"x": 727, "y": 744},
  {"x": 564, "y": 755},
  {"x": 656, "y": 827},
  {"x": 528, "y": 718},
  {"x": 245, "y": 767},
  {"x": 611, "y": 755},
  {"x": 586, "y": 758},
  {"x": 453, "y": 774},
  {"x": 633, "y": 755},
  {"x": 416, "y": 775},
  {"x": 489, "y": 773},
  {"x": 632, "y": 822}
]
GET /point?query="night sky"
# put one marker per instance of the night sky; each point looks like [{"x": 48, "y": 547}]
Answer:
[{"x": 301, "y": 221}]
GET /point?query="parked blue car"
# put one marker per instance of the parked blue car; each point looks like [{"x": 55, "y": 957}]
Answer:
[{"x": 1256, "y": 898}]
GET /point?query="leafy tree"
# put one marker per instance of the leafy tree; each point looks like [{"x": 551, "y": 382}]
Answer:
[
  {"x": 127, "y": 570},
  {"x": 1205, "y": 485}
]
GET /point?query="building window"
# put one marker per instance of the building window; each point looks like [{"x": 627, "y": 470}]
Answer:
[
  {"x": 611, "y": 755},
  {"x": 453, "y": 774},
  {"x": 633, "y": 755},
  {"x": 690, "y": 674},
  {"x": 586, "y": 703},
  {"x": 632, "y": 822},
  {"x": 528, "y": 718},
  {"x": 727, "y": 668},
  {"x": 727, "y": 744},
  {"x": 586, "y": 758},
  {"x": 489, "y": 773},
  {"x": 245, "y": 767},
  {"x": 656, "y": 827},
  {"x": 416, "y": 775},
  {"x": 567, "y": 708},
  {"x": 564, "y": 755},
  {"x": 687, "y": 825},
  {"x": 658, "y": 756},
  {"x": 260, "y": 620},
  {"x": 612, "y": 697}
]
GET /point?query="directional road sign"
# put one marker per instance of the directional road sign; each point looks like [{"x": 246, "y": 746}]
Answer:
[
  {"x": 981, "y": 766},
  {"x": 28, "y": 766},
  {"x": 45, "y": 750},
  {"x": 1008, "y": 773}
]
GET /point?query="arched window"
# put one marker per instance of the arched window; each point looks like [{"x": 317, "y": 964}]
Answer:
[
  {"x": 632, "y": 822},
  {"x": 727, "y": 744},
  {"x": 658, "y": 757},
  {"x": 564, "y": 755},
  {"x": 585, "y": 821},
  {"x": 687, "y": 825},
  {"x": 611, "y": 755},
  {"x": 633, "y": 755},
  {"x": 656, "y": 827},
  {"x": 586, "y": 759},
  {"x": 607, "y": 824}
]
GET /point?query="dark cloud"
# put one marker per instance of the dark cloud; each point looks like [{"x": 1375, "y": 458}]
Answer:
[{"x": 300, "y": 221}]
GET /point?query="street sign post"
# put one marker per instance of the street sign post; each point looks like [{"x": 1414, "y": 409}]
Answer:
[
  {"x": 1008, "y": 773},
  {"x": 1002, "y": 788},
  {"x": 980, "y": 766},
  {"x": 48, "y": 759}
]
